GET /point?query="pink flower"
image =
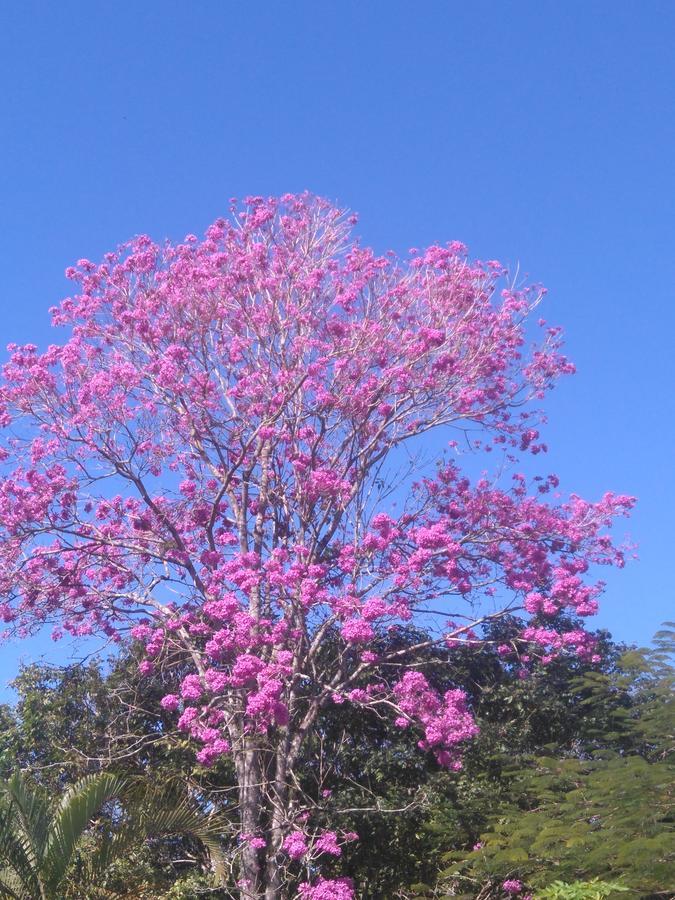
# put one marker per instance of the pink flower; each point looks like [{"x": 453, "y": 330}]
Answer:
[
  {"x": 358, "y": 695},
  {"x": 295, "y": 844},
  {"x": 212, "y": 751},
  {"x": 328, "y": 889},
  {"x": 191, "y": 688},
  {"x": 188, "y": 718},
  {"x": 446, "y": 721},
  {"x": 258, "y": 843},
  {"x": 357, "y": 631},
  {"x": 328, "y": 843},
  {"x": 170, "y": 702}
]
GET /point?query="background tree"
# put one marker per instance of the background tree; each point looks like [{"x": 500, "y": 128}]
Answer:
[
  {"x": 74, "y": 720},
  {"x": 209, "y": 459},
  {"x": 89, "y": 719},
  {"x": 598, "y": 806}
]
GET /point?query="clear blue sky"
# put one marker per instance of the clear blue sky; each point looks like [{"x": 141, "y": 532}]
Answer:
[{"x": 540, "y": 133}]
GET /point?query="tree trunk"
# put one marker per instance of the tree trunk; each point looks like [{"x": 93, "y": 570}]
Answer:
[
  {"x": 267, "y": 798},
  {"x": 249, "y": 776},
  {"x": 274, "y": 888}
]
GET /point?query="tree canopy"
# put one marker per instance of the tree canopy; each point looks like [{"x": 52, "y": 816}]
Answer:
[{"x": 211, "y": 463}]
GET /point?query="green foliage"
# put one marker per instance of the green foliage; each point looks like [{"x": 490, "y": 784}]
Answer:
[
  {"x": 37, "y": 843},
  {"x": 51, "y": 850},
  {"x": 600, "y": 807},
  {"x": 580, "y": 890},
  {"x": 192, "y": 887},
  {"x": 605, "y": 816},
  {"x": 74, "y": 720}
]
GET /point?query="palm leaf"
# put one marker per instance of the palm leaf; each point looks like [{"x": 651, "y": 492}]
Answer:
[
  {"x": 73, "y": 816},
  {"x": 24, "y": 828},
  {"x": 38, "y": 844},
  {"x": 154, "y": 813}
]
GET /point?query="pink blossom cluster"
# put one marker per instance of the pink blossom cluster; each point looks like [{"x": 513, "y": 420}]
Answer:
[
  {"x": 328, "y": 889},
  {"x": 298, "y": 844},
  {"x": 255, "y": 841},
  {"x": 446, "y": 720},
  {"x": 295, "y": 844}
]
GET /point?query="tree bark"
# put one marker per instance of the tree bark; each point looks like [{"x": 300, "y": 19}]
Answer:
[
  {"x": 249, "y": 776},
  {"x": 274, "y": 887}
]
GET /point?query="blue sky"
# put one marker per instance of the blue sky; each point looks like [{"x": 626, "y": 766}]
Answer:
[{"x": 540, "y": 133}]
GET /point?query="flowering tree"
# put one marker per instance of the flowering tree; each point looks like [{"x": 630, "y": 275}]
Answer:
[{"x": 202, "y": 462}]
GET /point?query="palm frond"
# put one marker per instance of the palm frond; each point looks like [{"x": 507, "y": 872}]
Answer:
[
  {"x": 73, "y": 816},
  {"x": 11, "y": 886},
  {"x": 163, "y": 814},
  {"x": 39, "y": 843},
  {"x": 168, "y": 814},
  {"x": 31, "y": 813},
  {"x": 24, "y": 826}
]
